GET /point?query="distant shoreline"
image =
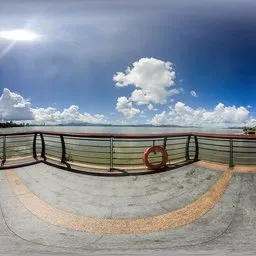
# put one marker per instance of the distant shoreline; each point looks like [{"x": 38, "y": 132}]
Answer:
[{"x": 14, "y": 125}]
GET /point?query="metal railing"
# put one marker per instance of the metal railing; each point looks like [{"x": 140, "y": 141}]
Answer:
[{"x": 110, "y": 151}]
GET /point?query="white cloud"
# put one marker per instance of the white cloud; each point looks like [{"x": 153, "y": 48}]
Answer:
[
  {"x": 68, "y": 115},
  {"x": 124, "y": 106},
  {"x": 14, "y": 107},
  {"x": 250, "y": 123},
  {"x": 152, "y": 79},
  {"x": 221, "y": 115},
  {"x": 193, "y": 93},
  {"x": 150, "y": 107},
  {"x": 175, "y": 91}
]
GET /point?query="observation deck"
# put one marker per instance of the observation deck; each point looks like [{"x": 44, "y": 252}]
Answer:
[{"x": 74, "y": 193}]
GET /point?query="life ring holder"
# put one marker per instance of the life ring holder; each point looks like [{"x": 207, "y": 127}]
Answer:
[{"x": 155, "y": 149}]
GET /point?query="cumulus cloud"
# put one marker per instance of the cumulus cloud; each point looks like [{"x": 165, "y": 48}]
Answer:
[
  {"x": 221, "y": 115},
  {"x": 14, "y": 107},
  {"x": 124, "y": 106},
  {"x": 193, "y": 93},
  {"x": 152, "y": 79},
  {"x": 250, "y": 123},
  {"x": 68, "y": 115},
  {"x": 150, "y": 107}
]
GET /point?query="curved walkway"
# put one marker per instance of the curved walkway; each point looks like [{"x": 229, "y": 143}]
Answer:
[
  {"x": 45, "y": 209},
  {"x": 174, "y": 219}
]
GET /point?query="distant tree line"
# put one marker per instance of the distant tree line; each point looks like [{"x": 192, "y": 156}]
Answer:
[{"x": 11, "y": 124}]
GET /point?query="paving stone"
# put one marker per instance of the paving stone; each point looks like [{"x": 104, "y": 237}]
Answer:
[{"x": 230, "y": 226}]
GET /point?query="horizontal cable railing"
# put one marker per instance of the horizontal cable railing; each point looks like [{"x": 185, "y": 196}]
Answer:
[{"x": 110, "y": 151}]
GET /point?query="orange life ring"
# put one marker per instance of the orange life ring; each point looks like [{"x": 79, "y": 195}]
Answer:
[{"x": 155, "y": 149}]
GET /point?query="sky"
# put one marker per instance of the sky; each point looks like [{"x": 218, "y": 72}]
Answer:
[{"x": 165, "y": 62}]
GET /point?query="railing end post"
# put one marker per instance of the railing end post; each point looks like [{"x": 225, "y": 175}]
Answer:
[
  {"x": 231, "y": 155},
  {"x": 34, "y": 146},
  {"x": 43, "y": 146},
  {"x": 4, "y": 151},
  {"x": 111, "y": 155},
  {"x": 197, "y": 148},
  {"x": 187, "y": 148},
  {"x": 63, "y": 146}
]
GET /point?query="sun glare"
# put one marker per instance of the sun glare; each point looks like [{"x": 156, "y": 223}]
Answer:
[{"x": 19, "y": 35}]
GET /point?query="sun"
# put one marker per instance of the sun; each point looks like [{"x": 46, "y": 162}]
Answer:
[{"x": 19, "y": 35}]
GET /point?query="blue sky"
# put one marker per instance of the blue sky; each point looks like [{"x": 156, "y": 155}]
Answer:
[{"x": 81, "y": 45}]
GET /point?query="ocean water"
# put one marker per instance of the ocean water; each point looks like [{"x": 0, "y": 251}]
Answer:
[{"x": 122, "y": 129}]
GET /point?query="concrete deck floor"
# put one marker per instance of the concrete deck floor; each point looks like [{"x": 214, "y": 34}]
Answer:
[{"x": 39, "y": 203}]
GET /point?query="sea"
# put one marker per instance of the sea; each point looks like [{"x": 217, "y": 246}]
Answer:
[{"x": 122, "y": 129}]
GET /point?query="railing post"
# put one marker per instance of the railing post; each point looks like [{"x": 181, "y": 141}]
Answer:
[
  {"x": 34, "y": 146},
  {"x": 187, "y": 148},
  {"x": 154, "y": 143},
  {"x": 43, "y": 147},
  {"x": 165, "y": 142},
  {"x": 4, "y": 150},
  {"x": 231, "y": 156},
  {"x": 197, "y": 148},
  {"x": 111, "y": 154},
  {"x": 63, "y": 146}
]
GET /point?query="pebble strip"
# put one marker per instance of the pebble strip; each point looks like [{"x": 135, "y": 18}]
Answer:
[{"x": 173, "y": 219}]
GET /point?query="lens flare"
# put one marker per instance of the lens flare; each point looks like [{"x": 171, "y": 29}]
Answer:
[{"x": 19, "y": 35}]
